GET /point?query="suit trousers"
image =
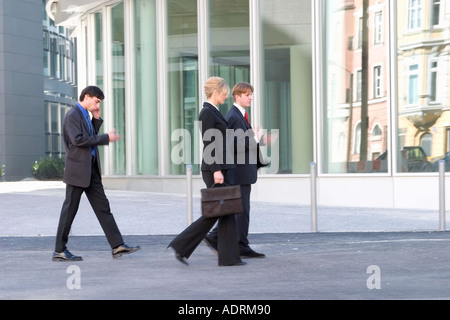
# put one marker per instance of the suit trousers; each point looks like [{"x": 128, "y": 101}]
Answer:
[
  {"x": 242, "y": 220},
  {"x": 95, "y": 193},
  {"x": 227, "y": 245}
]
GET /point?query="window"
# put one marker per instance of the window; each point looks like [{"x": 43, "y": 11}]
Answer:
[
  {"x": 360, "y": 33},
  {"x": 426, "y": 143},
  {"x": 447, "y": 136},
  {"x": 435, "y": 19},
  {"x": 230, "y": 43},
  {"x": 358, "y": 85},
  {"x": 421, "y": 120},
  {"x": 144, "y": 147},
  {"x": 433, "y": 81},
  {"x": 98, "y": 49},
  {"x": 54, "y": 119},
  {"x": 379, "y": 28},
  {"x": 286, "y": 93},
  {"x": 350, "y": 43},
  {"x": 357, "y": 134},
  {"x": 361, "y": 70},
  {"x": 377, "y": 132},
  {"x": 377, "y": 82},
  {"x": 415, "y": 14},
  {"x": 184, "y": 101},
  {"x": 46, "y": 53},
  {"x": 117, "y": 78},
  {"x": 413, "y": 81}
]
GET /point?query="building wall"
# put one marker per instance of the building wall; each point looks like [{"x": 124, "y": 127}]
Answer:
[{"x": 21, "y": 86}]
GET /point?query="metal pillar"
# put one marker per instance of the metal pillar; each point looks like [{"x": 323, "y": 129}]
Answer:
[
  {"x": 313, "y": 196},
  {"x": 189, "y": 193},
  {"x": 441, "y": 195}
]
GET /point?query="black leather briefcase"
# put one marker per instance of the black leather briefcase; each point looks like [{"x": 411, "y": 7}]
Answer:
[{"x": 221, "y": 201}]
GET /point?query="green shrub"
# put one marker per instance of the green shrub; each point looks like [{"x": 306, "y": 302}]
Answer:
[
  {"x": 48, "y": 168},
  {"x": 2, "y": 170}
]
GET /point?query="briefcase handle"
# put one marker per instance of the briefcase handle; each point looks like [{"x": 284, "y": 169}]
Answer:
[{"x": 214, "y": 185}]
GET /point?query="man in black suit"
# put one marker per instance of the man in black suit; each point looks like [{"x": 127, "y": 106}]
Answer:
[
  {"x": 247, "y": 160},
  {"x": 82, "y": 173}
]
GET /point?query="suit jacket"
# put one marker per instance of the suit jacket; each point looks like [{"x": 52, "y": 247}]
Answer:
[
  {"x": 246, "y": 149},
  {"x": 79, "y": 143},
  {"x": 215, "y": 142}
]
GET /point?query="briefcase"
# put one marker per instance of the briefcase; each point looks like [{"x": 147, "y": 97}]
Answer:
[{"x": 221, "y": 201}]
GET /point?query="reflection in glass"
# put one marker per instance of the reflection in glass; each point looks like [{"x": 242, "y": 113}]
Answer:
[
  {"x": 145, "y": 144},
  {"x": 98, "y": 49},
  {"x": 117, "y": 44},
  {"x": 423, "y": 82},
  {"x": 287, "y": 87},
  {"x": 183, "y": 82},
  {"x": 355, "y": 114},
  {"x": 98, "y": 18},
  {"x": 230, "y": 43}
]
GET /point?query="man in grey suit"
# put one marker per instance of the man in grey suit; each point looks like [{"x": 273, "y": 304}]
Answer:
[{"x": 82, "y": 173}]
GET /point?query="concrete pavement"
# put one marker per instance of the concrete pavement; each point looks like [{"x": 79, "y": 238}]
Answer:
[{"x": 358, "y": 253}]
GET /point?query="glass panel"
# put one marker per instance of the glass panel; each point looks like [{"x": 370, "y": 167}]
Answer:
[
  {"x": 54, "y": 66},
  {"x": 64, "y": 109},
  {"x": 145, "y": 148},
  {"x": 423, "y": 116},
  {"x": 98, "y": 20},
  {"x": 46, "y": 53},
  {"x": 117, "y": 46},
  {"x": 183, "y": 84},
  {"x": 287, "y": 88},
  {"x": 48, "y": 133},
  {"x": 98, "y": 49},
  {"x": 230, "y": 43},
  {"x": 355, "y": 81},
  {"x": 436, "y": 12},
  {"x": 55, "y": 131}
]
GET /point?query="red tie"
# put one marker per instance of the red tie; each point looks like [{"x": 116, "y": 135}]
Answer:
[{"x": 246, "y": 118}]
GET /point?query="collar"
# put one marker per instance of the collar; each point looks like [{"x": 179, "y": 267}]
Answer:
[
  {"x": 212, "y": 105},
  {"x": 83, "y": 110},
  {"x": 242, "y": 110}
]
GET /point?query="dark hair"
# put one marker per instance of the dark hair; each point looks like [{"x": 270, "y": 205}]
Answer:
[{"x": 92, "y": 91}]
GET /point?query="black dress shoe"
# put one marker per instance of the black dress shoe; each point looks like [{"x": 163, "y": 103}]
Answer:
[
  {"x": 211, "y": 244},
  {"x": 249, "y": 254},
  {"x": 65, "y": 256},
  {"x": 179, "y": 257},
  {"x": 123, "y": 249},
  {"x": 241, "y": 263}
]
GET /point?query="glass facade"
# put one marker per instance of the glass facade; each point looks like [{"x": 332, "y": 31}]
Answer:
[
  {"x": 60, "y": 82},
  {"x": 286, "y": 95},
  {"x": 355, "y": 114},
  {"x": 59, "y": 52},
  {"x": 360, "y": 87},
  {"x": 423, "y": 85},
  {"x": 370, "y": 71},
  {"x": 229, "y": 53},
  {"x": 183, "y": 88},
  {"x": 116, "y": 76},
  {"x": 145, "y": 103}
]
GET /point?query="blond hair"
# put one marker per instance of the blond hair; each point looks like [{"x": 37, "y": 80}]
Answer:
[{"x": 216, "y": 84}]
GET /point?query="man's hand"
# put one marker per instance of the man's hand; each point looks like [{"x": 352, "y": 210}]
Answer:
[
  {"x": 218, "y": 177},
  {"x": 96, "y": 113},
  {"x": 113, "y": 136}
]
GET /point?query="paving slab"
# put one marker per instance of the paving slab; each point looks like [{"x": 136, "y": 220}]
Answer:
[
  {"x": 310, "y": 266},
  {"x": 357, "y": 253}
]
